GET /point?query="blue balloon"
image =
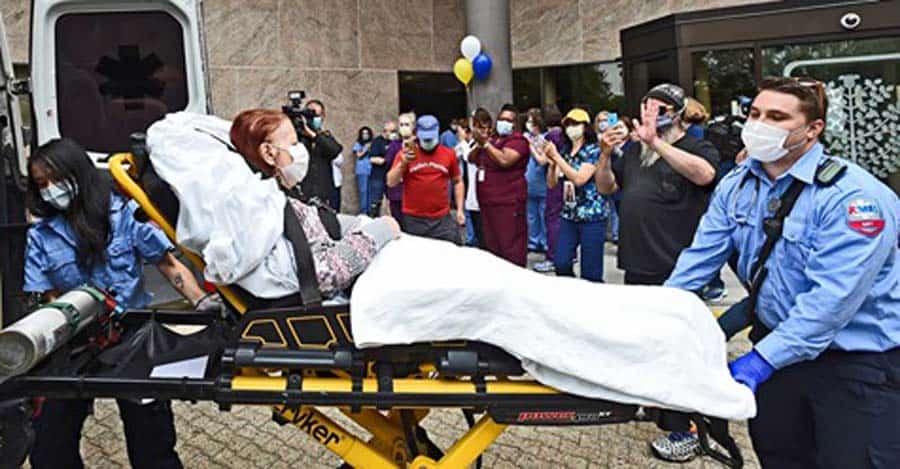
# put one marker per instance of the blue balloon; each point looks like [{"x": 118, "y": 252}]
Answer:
[{"x": 482, "y": 66}]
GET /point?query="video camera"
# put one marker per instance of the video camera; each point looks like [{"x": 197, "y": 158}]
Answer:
[{"x": 298, "y": 114}]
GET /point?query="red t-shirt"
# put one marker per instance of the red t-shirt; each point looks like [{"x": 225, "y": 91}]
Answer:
[
  {"x": 425, "y": 182},
  {"x": 504, "y": 185}
]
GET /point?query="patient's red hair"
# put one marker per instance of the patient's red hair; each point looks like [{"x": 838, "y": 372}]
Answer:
[{"x": 250, "y": 129}]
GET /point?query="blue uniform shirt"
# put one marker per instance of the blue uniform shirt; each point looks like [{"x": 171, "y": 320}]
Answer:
[
  {"x": 536, "y": 177},
  {"x": 834, "y": 277},
  {"x": 50, "y": 257}
]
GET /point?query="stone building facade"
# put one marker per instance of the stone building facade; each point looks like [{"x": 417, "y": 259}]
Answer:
[{"x": 348, "y": 52}]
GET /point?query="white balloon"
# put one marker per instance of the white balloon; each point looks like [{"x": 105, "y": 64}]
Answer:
[{"x": 470, "y": 47}]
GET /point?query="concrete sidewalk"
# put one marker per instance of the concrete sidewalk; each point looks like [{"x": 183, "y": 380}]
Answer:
[{"x": 247, "y": 438}]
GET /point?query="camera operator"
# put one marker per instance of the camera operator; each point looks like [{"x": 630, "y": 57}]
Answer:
[{"x": 323, "y": 148}]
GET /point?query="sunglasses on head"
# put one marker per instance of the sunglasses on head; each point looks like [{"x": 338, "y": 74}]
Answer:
[{"x": 803, "y": 85}]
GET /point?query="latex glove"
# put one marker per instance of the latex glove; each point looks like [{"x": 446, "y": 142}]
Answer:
[
  {"x": 751, "y": 370},
  {"x": 211, "y": 303}
]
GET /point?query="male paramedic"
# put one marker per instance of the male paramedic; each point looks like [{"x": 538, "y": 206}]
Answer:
[{"x": 825, "y": 365}]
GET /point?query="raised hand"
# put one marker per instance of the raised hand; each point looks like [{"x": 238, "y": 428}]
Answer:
[{"x": 646, "y": 128}]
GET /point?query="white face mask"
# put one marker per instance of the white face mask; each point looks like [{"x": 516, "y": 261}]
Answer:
[
  {"x": 406, "y": 130},
  {"x": 292, "y": 174},
  {"x": 59, "y": 195},
  {"x": 575, "y": 132},
  {"x": 504, "y": 128},
  {"x": 765, "y": 142},
  {"x": 429, "y": 145}
]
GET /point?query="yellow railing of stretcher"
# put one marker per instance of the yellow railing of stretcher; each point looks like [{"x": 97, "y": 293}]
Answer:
[
  {"x": 388, "y": 448},
  {"x": 121, "y": 166}
]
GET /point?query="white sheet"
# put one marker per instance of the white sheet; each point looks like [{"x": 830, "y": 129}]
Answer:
[
  {"x": 228, "y": 214},
  {"x": 651, "y": 346}
]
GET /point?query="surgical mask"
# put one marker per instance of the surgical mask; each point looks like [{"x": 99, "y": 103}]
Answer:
[
  {"x": 504, "y": 128},
  {"x": 602, "y": 126},
  {"x": 575, "y": 132},
  {"x": 316, "y": 123},
  {"x": 664, "y": 122},
  {"x": 59, "y": 195},
  {"x": 294, "y": 173},
  {"x": 429, "y": 145},
  {"x": 765, "y": 142},
  {"x": 530, "y": 128},
  {"x": 394, "y": 136},
  {"x": 406, "y": 131},
  {"x": 366, "y": 137}
]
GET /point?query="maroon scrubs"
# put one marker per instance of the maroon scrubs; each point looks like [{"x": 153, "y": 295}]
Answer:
[{"x": 502, "y": 195}]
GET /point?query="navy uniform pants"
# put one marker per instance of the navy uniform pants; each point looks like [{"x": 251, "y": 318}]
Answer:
[
  {"x": 149, "y": 434},
  {"x": 841, "y": 410}
]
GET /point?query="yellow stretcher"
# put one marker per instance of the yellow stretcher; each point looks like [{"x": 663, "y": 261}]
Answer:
[{"x": 300, "y": 359}]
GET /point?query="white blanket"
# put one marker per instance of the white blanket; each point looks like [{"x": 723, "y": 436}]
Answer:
[
  {"x": 651, "y": 346},
  {"x": 228, "y": 214}
]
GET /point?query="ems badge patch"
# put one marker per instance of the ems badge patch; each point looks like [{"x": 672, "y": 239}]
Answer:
[{"x": 864, "y": 216}]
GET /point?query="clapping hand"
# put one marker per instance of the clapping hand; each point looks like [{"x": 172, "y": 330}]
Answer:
[{"x": 551, "y": 151}]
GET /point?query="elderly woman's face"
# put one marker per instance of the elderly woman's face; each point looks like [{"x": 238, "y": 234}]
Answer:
[{"x": 275, "y": 148}]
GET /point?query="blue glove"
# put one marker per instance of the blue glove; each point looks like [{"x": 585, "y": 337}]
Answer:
[{"x": 751, "y": 370}]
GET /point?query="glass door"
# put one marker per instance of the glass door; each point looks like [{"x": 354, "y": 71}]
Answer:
[{"x": 863, "y": 80}]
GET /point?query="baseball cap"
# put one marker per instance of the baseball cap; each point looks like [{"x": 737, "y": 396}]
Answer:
[
  {"x": 428, "y": 128},
  {"x": 668, "y": 93},
  {"x": 576, "y": 115}
]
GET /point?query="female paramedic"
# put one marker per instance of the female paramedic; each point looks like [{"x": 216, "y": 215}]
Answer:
[{"x": 87, "y": 234}]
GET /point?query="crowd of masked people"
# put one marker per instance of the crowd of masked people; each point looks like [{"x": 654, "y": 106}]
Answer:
[
  {"x": 824, "y": 307},
  {"x": 560, "y": 185}
]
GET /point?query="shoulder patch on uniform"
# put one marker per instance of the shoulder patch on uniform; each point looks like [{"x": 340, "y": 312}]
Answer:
[{"x": 864, "y": 216}]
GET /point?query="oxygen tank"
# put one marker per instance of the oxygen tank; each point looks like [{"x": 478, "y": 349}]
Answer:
[{"x": 29, "y": 340}]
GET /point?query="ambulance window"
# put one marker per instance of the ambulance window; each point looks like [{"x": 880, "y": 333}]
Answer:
[{"x": 117, "y": 73}]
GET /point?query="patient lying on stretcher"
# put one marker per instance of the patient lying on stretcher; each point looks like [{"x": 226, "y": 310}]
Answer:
[
  {"x": 651, "y": 346},
  {"x": 234, "y": 181},
  {"x": 268, "y": 141}
]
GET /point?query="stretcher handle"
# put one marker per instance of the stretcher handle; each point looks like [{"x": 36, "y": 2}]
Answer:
[
  {"x": 121, "y": 167},
  {"x": 717, "y": 429}
]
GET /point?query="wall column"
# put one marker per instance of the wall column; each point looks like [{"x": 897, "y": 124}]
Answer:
[{"x": 489, "y": 21}]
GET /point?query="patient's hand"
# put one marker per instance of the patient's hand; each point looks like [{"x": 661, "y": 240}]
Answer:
[{"x": 395, "y": 227}]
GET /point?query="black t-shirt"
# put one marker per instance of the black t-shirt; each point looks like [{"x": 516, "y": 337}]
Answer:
[
  {"x": 660, "y": 208},
  {"x": 378, "y": 149}
]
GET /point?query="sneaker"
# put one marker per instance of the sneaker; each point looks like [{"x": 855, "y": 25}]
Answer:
[
  {"x": 677, "y": 447},
  {"x": 714, "y": 294},
  {"x": 544, "y": 267}
]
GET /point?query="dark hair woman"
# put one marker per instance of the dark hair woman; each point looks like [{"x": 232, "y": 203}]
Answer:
[
  {"x": 536, "y": 177},
  {"x": 87, "y": 234},
  {"x": 361, "y": 150}
]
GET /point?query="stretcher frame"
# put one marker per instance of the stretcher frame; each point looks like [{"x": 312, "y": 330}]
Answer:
[{"x": 283, "y": 369}]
